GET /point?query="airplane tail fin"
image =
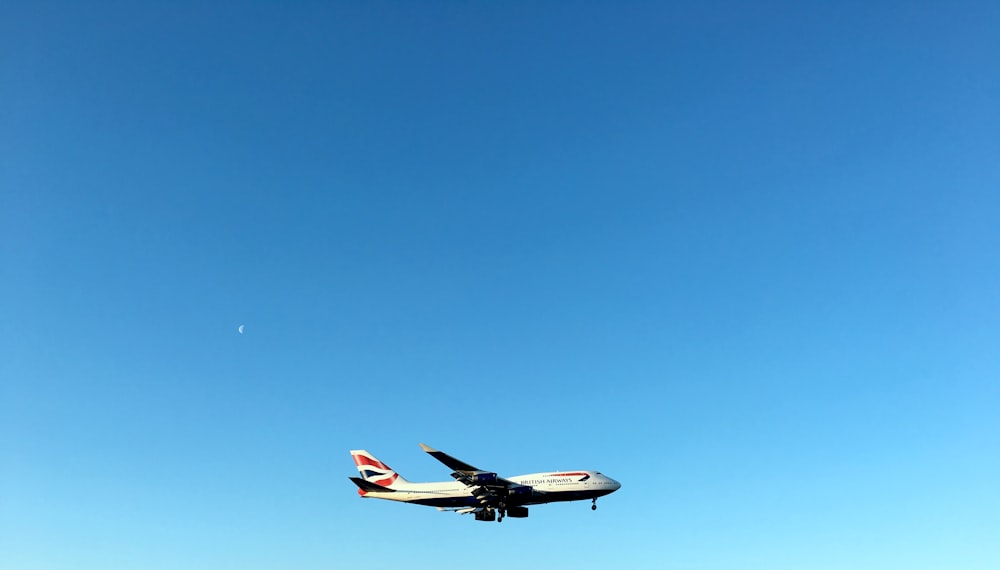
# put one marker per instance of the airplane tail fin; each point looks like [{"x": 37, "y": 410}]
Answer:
[{"x": 374, "y": 471}]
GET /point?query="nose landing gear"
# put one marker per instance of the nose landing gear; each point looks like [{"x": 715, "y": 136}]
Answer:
[{"x": 593, "y": 505}]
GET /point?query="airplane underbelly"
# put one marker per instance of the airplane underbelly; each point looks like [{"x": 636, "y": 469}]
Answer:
[
  {"x": 446, "y": 502},
  {"x": 560, "y": 496}
]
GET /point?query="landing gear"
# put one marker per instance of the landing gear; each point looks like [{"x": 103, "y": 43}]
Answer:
[
  {"x": 502, "y": 512},
  {"x": 593, "y": 505}
]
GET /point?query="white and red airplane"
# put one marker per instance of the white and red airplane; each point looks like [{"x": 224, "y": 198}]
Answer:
[{"x": 483, "y": 493}]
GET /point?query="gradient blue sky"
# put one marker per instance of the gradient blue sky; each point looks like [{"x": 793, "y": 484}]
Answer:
[{"x": 742, "y": 257}]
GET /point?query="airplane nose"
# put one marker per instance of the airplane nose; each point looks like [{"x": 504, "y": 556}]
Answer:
[{"x": 615, "y": 484}]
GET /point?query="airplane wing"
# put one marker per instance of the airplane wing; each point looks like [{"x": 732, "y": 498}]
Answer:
[
  {"x": 448, "y": 460},
  {"x": 487, "y": 486}
]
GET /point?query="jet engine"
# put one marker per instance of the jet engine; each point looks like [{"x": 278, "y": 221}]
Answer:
[
  {"x": 519, "y": 491},
  {"x": 482, "y": 478},
  {"x": 517, "y": 512}
]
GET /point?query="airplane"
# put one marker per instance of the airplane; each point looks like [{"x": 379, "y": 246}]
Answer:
[{"x": 482, "y": 493}]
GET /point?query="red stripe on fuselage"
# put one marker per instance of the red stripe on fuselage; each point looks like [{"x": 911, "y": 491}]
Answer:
[{"x": 567, "y": 474}]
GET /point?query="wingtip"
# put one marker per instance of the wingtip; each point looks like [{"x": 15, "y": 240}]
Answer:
[{"x": 426, "y": 447}]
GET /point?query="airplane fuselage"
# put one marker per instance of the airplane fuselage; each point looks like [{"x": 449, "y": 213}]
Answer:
[{"x": 547, "y": 487}]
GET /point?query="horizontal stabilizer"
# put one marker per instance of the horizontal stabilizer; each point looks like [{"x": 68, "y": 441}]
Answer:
[{"x": 369, "y": 487}]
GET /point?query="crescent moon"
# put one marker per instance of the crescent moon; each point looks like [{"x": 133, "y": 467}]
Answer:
[{"x": 240, "y": 329}]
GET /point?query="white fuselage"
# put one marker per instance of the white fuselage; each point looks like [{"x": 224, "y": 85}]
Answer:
[{"x": 546, "y": 487}]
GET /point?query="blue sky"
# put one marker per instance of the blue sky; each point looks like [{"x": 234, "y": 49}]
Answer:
[{"x": 741, "y": 257}]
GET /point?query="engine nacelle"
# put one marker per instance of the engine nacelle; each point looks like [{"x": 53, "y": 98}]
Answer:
[
  {"x": 488, "y": 515},
  {"x": 519, "y": 491},
  {"x": 482, "y": 478},
  {"x": 517, "y": 512}
]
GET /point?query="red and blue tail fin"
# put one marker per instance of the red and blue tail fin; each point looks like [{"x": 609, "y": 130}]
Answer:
[{"x": 374, "y": 471}]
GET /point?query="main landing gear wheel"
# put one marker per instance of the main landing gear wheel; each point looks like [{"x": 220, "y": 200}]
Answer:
[
  {"x": 501, "y": 513},
  {"x": 593, "y": 506}
]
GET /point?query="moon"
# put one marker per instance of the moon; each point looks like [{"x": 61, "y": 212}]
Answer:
[{"x": 240, "y": 329}]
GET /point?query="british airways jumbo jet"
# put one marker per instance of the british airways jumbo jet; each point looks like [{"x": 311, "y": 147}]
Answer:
[{"x": 482, "y": 493}]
